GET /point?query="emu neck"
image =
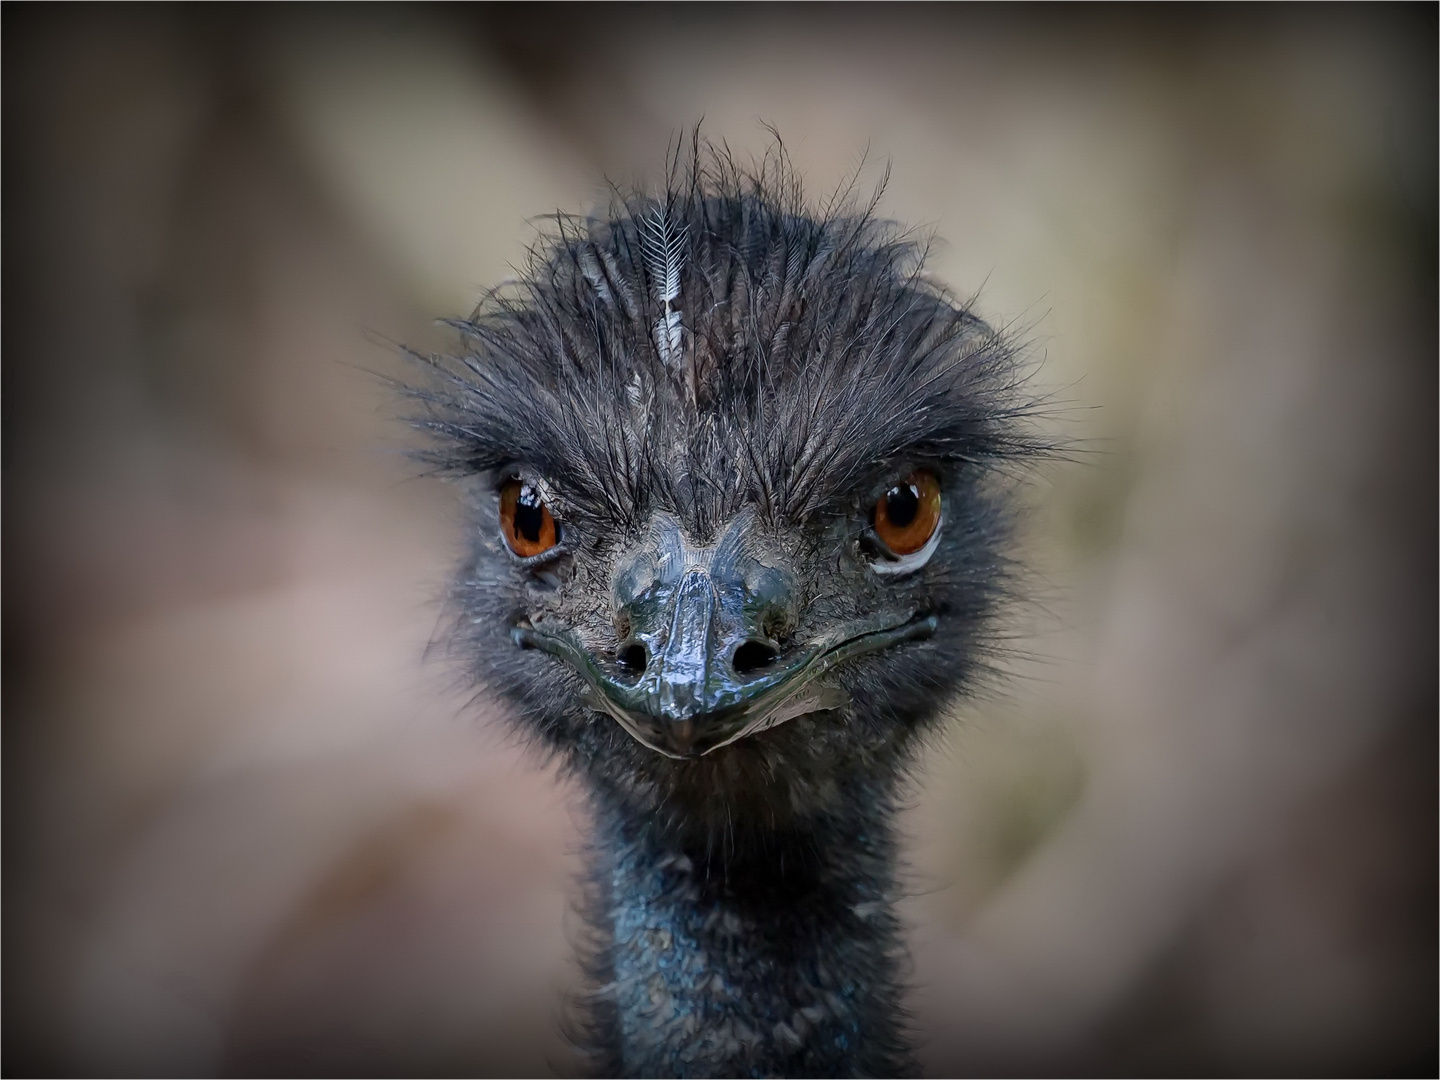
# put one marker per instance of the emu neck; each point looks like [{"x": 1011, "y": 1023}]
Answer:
[{"x": 774, "y": 959}]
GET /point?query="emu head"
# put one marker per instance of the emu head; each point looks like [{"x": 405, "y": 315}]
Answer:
[{"x": 735, "y": 526}]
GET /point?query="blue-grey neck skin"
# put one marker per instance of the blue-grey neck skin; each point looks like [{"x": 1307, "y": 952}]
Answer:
[{"x": 781, "y": 961}]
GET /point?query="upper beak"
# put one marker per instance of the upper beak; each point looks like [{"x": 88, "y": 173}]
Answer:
[{"x": 702, "y": 667}]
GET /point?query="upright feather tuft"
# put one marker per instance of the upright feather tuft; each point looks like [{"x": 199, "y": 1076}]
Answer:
[{"x": 664, "y": 247}]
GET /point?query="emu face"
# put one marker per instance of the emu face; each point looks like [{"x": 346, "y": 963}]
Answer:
[{"x": 734, "y": 514}]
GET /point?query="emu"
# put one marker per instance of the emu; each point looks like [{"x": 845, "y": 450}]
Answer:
[{"x": 739, "y": 508}]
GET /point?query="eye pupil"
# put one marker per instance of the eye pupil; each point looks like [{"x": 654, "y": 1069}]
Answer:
[
  {"x": 529, "y": 514},
  {"x": 902, "y": 502}
]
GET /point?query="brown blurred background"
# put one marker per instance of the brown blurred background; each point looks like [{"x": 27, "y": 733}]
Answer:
[{"x": 249, "y": 829}]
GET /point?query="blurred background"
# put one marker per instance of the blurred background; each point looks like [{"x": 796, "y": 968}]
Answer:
[{"x": 249, "y": 829}]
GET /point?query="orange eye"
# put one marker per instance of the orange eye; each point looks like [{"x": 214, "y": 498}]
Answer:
[
  {"x": 907, "y": 515},
  {"x": 525, "y": 520}
]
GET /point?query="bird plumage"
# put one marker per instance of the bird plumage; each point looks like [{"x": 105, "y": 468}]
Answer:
[{"x": 706, "y": 388}]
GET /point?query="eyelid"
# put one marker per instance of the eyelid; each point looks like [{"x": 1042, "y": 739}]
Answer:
[
  {"x": 892, "y": 565},
  {"x": 548, "y": 555},
  {"x": 896, "y": 474}
]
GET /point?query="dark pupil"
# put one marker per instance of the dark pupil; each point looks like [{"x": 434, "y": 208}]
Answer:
[
  {"x": 901, "y": 503},
  {"x": 529, "y": 513}
]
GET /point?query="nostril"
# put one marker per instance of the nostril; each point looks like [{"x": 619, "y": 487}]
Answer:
[
  {"x": 752, "y": 656},
  {"x": 632, "y": 658}
]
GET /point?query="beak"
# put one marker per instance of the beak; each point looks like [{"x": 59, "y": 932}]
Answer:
[
  {"x": 701, "y": 666},
  {"x": 688, "y": 706},
  {"x": 698, "y": 669}
]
